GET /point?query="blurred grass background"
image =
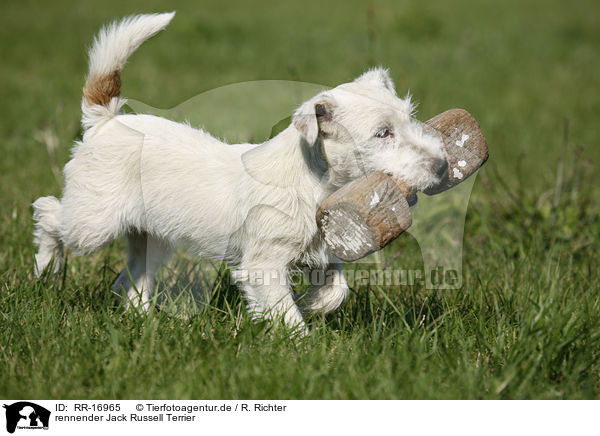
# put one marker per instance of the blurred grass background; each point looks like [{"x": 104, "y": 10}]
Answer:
[{"x": 525, "y": 323}]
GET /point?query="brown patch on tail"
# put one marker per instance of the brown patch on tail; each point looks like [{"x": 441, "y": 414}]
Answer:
[{"x": 100, "y": 89}]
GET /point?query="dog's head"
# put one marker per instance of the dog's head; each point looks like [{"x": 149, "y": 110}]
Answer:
[{"x": 363, "y": 126}]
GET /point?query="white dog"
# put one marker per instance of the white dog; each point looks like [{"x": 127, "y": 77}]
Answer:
[{"x": 162, "y": 183}]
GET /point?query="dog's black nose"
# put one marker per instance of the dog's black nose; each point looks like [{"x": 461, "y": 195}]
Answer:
[{"x": 440, "y": 166}]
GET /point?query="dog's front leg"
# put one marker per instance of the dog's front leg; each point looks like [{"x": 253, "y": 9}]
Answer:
[
  {"x": 328, "y": 291},
  {"x": 268, "y": 296}
]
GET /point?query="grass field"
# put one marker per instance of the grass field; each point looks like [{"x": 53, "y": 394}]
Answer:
[{"x": 526, "y": 321}]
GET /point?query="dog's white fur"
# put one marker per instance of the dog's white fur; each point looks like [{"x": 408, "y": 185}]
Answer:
[{"x": 162, "y": 183}]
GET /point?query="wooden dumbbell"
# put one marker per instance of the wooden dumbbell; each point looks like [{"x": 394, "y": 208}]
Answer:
[{"x": 368, "y": 213}]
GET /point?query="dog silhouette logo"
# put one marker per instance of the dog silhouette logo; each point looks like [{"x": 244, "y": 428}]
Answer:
[{"x": 26, "y": 415}]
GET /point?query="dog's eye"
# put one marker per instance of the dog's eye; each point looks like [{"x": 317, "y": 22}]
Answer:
[{"x": 383, "y": 133}]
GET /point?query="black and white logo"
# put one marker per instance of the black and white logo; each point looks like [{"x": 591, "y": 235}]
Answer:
[{"x": 26, "y": 415}]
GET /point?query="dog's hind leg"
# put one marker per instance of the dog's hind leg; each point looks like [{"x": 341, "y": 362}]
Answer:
[
  {"x": 145, "y": 255},
  {"x": 46, "y": 235}
]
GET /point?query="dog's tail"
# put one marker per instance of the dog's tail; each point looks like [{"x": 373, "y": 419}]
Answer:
[{"x": 112, "y": 46}]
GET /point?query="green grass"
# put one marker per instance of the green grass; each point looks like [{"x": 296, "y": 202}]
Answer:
[{"x": 524, "y": 324}]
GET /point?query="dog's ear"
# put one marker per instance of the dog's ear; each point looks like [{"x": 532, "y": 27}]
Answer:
[
  {"x": 314, "y": 117},
  {"x": 378, "y": 77}
]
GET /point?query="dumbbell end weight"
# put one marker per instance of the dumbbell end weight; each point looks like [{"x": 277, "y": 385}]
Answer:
[
  {"x": 365, "y": 215},
  {"x": 464, "y": 146}
]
